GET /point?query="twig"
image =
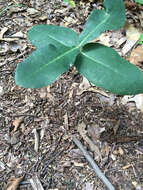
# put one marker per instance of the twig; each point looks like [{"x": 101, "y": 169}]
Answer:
[
  {"x": 93, "y": 164},
  {"x": 36, "y": 135}
]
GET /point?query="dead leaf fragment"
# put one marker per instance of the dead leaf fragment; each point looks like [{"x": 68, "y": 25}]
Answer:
[
  {"x": 138, "y": 99},
  {"x": 105, "y": 40},
  {"x": 128, "y": 46},
  {"x": 18, "y": 35},
  {"x": 82, "y": 130},
  {"x": 3, "y": 31},
  {"x": 107, "y": 149},
  {"x": 32, "y": 12},
  {"x": 84, "y": 86},
  {"x": 94, "y": 131},
  {"x": 136, "y": 56},
  {"x": 121, "y": 152},
  {"x": 116, "y": 127},
  {"x": 14, "y": 47},
  {"x": 2, "y": 166},
  {"x": 13, "y": 183},
  {"x": 17, "y": 123},
  {"x": 76, "y": 153},
  {"x": 88, "y": 186}
]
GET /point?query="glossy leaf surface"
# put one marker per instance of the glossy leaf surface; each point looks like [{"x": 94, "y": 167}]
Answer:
[
  {"x": 40, "y": 35},
  {"x": 55, "y": 54},
  {"x": 111, "y": 18},
  {"x": 45, "y": 65},
  {"x": 105, "y": 68}
]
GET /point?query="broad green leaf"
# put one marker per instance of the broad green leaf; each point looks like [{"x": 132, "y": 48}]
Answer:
[
  {"x": 111, "y": 18},
  {"x": 139, "y": 1},
  {"x": 105, "y": 68},
  {"x": 45, "y": 65},
  {"x": 40, "y": 35}
]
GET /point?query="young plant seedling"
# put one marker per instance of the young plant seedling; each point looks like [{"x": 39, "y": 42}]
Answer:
[{"x": 58, "y": 48}]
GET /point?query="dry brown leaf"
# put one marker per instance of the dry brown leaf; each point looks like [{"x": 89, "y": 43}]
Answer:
[
  {"x": 121, "y": 152},
  {"x": 13, "y": 183},
  {"x": 136, "y": 56},
  {"x": 76, "y": 153},
  {"x": 17, "y": 123},
  {"x": 84, "y": 86},
  {"x": 138, "y": 99},
  {"x": 105, "y": 40},
  {"x": 116, "y": 127},
  {"x": 107, "y": 149},
  {"x": 94, "y": 131},
  {"x": 82, "y": 130}
]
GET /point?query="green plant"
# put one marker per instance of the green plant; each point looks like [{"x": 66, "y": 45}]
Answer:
[
  {"x": 71, "y": 2},
  {"x": 139, "y": 1},
  {"x": 141, "y": 39},
  {"x": 58, "y": 48}
]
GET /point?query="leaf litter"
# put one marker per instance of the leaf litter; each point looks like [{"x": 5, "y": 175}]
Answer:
[{"x": 64, "y": 105}]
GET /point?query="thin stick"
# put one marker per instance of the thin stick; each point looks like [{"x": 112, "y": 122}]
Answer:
[{"x": 93, "y": 164}]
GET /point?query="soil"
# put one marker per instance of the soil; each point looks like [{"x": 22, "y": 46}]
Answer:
[{"x": 50, "y": 116}]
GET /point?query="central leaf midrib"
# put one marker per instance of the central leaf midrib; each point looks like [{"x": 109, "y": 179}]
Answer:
[
  {"x": 52, "y": 61},
  {"x": 58, "y": 40},
  {"x": 90, "y": 33},
  {"x": 107, "y": 66}
]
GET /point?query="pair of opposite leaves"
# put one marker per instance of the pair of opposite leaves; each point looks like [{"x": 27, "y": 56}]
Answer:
[{"x": 58, "y": 48}]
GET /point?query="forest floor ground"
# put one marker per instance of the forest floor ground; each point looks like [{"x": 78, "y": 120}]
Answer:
[{"x": 37, "y": 125}]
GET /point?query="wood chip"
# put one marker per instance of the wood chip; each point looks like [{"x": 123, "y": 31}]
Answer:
[
  {"x": 126, "y": 167},
  {"x": 36, "y": 184},
  {"x": 36, "y": 136},
  {"x": 17, "y": 123}
]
